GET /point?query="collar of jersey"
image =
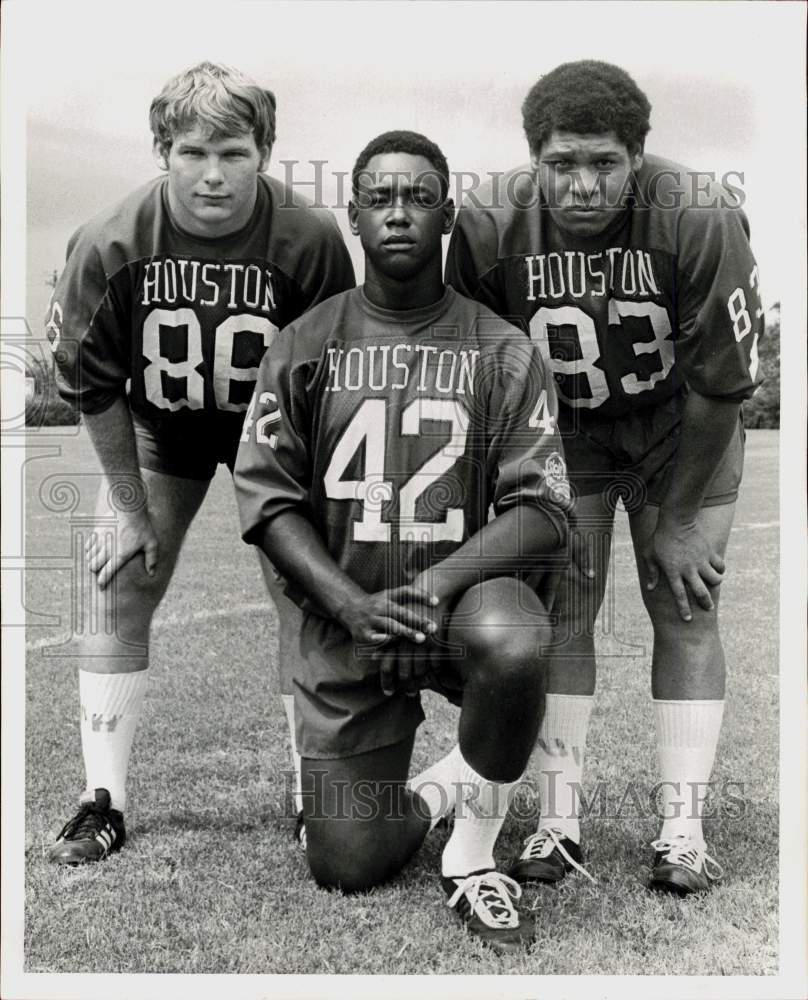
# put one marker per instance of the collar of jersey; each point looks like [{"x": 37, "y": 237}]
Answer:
[
  {"x": 207, "y": 241},
  {"x": 408, "y": 317}
]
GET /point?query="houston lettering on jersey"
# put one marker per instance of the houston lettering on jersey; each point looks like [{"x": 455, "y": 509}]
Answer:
[
  {"x": 394, "y": 433},
  {"x": 418, "y": 367},
  {"x": 183, "y": 321},
  {"x": 576, "y": 274},
  {"x": 207, "y": 283},
  {"x": 669, "y": 297}
]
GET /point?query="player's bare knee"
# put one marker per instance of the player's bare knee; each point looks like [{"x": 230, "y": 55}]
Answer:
[
  {"x": 667, "y": 622},
  {"x": 345, "y": 856},
  {"x": 509, "y": 656},
  {"x": 503, "y": 626},
  {"x": 135, "y": 592}
]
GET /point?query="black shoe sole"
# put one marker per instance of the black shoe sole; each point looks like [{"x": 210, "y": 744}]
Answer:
[
  {"x": 537, "y": 879},
  {"x": 673, "y": 888}
]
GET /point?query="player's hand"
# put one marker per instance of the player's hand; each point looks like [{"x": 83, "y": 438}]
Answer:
[
  {"x": 402, "y": 666},
  {"x": 681, "y": 553},
  {"x": 404, "y": 663},
  {"x": 402, "y": 612},
  {"x": 134, "y": 534}
]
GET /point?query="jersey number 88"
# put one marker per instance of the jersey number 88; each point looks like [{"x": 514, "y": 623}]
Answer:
[{"x": 224, "y": 371}]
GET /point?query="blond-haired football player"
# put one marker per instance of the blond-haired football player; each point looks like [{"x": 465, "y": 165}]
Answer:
[{"x": 164, "y": 309}]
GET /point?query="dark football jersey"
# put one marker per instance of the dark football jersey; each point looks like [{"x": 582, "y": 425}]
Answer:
[
  {"x": 667, "y": 296},
  {"x": 184, "y": 319},
  {"x": 393, "y": 432}
]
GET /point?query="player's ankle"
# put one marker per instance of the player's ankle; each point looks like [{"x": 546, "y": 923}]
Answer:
[
  {"x": 691, "y": 829},
  {"x": 569, "y": 828}
]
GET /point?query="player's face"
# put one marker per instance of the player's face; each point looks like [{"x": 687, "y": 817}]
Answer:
[
  {"x": 584, "y": 179},
  {"x": 212, "y": 184},
  {"x": 400, "y": 214}
]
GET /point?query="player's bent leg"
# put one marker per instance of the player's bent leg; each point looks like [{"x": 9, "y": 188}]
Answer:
[
  {"x": 502, "y": 629},
  {"x": 571, "y": 664},
  {"x": 128, "y": 603},
  {"x": 688, "y": 660},
  {"x": 362, "y": 823},
  {"x": 688, "y": 679},
  {"x": 290, "y": 619},
  {"x": 113, "y": 657},
  {"x": 554, "y": 849}
]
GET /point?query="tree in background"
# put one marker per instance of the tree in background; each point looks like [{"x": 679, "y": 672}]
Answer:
[{"x": 763, "y": 410}]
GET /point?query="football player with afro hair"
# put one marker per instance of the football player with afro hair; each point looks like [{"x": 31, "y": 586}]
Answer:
[{"x": 641, "y": 290}]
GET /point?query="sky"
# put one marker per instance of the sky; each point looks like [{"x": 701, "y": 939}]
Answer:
[{"x": 344, "y": 72}]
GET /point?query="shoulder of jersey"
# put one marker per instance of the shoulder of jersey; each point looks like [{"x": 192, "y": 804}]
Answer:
[
  {"x": 310, "y": 331},
  {"x": 485, "y": 319},
  {"x": 669, "y": 189},
  {"x": 497, "y": 212},
  {"x": 115, "y": 232},
  {"x": 294, "y": 216}
]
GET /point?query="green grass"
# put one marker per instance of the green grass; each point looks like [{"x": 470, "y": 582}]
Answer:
[{"x": 210, "y": 880}]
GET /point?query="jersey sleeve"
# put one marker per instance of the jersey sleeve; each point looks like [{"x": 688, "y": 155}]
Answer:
[
  {"x": 471, "y": 260},
  {"x": 88, "y": 329},
  {"x": 720, "y": 315},
  {"x": 525, "y": 452},
  {"x": 327, "y": 269},
  {"x": 272, "y": 471}
]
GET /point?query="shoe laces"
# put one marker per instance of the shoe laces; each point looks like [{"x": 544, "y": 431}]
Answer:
[
  {"x": 689, "y": 853},
  {"x": 87, "y": 822},
  {"x": 490, "y": 895},
  {"x": 542, "y": 844}
]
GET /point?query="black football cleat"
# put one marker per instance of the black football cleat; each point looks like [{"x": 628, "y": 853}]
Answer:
[
  {"x": 547, "y": 857},
  {"x": 683, "y": 866},
  {"x": 484, "y": 901},
  {"x": 94, "y": 832},
  {"x": 300, "y": 832}
]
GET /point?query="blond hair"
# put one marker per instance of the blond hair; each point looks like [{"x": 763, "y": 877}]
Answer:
[{"x": 216, "y": 97}]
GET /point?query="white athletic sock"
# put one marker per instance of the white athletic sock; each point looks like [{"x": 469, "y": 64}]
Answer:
[
  {"x": 481, "y": 809},
  {"x": 561, "y": 747},
  {"x": 437, "y": 785},
  {"x": 289, "y": 707},
  {"x": 687, "y": 737},
  {"x": 110, "y": 709}
]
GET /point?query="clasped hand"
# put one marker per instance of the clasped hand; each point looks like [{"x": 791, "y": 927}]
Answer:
[{"x": 399, "y": 622}]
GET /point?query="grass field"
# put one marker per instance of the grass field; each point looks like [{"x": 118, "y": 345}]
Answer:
[{"x": 210, "y": 880}]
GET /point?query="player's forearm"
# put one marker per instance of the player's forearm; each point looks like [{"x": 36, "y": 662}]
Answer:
[
  {"x": 707, "y": 429},
  {"x": 511, "y": 543},
  {"x": 113, "y": 437},
  {"x": 295, "y": 548}
]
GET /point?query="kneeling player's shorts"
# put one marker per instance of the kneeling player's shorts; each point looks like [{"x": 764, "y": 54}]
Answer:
[
  {"x": 634, "y": 457},
  {"x": 191, "y": 450},
  {"x": 340, "y": 709}
]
